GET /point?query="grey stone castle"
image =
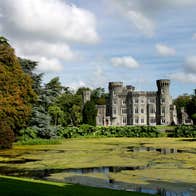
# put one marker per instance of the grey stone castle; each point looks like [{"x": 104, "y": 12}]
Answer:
[{"x": 125, "y": 106}]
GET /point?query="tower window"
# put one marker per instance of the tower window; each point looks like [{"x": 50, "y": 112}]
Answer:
[{"x": 142, "y": 110}]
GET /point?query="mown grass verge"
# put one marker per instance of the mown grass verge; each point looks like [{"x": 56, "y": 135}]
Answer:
[{"x": 22, "y": 186}]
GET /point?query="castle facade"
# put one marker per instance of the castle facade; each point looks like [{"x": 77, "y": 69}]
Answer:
[{"x": 125, "y": 106}]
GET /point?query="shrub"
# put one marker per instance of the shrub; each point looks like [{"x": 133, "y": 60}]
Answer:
[
  {"x": 185, "y": 131},
  {"x": 111, "y": 131},
  {"x": 6, "y": 135}
]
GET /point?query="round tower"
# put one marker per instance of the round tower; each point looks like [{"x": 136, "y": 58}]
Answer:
[
  {"x": 164, "y": 101},
  {"x": 115, "y": 88}
]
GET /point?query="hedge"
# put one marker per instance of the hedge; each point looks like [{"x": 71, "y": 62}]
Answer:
[{"x": 110, "y": 131}]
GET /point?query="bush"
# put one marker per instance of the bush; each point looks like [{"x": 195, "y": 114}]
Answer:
[
  {"x": 6, "y": 135},
  {"x": 28, "y": 133},
  {"x": 111, "y": 131},
  {"x": 185, "y": 131}
]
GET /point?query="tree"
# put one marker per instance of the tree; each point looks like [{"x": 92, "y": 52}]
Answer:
[
  {"x": 191, "y": 108},
  {"x": 99, "y": 96},
  {"x": 16, "y": 93},
  {"x": 29, "y": 67},
  {"x": 181, "y": 101},
  {"x": 90, "y": 113},
  {"x": 56, "y": 114},
  {"x": 71, "y": 105}
]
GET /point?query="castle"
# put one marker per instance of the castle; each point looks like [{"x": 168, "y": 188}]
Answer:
[{"x": 125, "y": 106}]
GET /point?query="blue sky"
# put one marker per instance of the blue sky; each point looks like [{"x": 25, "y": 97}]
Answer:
[{"x": 89, "y": 42}]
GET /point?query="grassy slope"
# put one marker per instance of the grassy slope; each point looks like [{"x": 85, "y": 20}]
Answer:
[{"x": 19, "y": 186}]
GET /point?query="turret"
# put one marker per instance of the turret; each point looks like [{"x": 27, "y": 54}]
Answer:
[
  {"x": 164, "y": 101},
  {"x": 86, "y": 96}
]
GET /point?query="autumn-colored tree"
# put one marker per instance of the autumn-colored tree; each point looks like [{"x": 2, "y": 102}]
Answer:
[{"x": 16, "y": 93}]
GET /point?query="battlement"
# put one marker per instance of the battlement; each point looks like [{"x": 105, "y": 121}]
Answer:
[
  {"x": 163, "y": 83},
  {"x": 113, "y": 85}
]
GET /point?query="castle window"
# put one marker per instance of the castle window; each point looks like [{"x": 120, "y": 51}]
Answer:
[
  {"x": 114, "y": 101},
  {"x": 163, "y": 110},
  {"x": 162, "y": 100},
  {"x": 136, "y": 100},
  {"x": 142, "y": 110},
  {"x": 124, "y": 120},
  {"x": 151, "y": 100},
  {"x": 152, "y": 110},
  {"x": 142, "y": 120},
  {"x": 123, "y": 102},
  {"x": 142, "y": 101},
  {"x": 137, "y": 120},
  {"x": 136, "y": 110},
  {"x": 124, "y": 110},
  {"x": 152, "y": 120}
]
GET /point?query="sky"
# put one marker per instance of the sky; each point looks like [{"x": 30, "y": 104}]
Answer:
[{"x": 90, "y": 42}]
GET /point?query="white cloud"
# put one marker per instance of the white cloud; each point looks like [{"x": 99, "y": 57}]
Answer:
[
  {"x": 127, "y": 61},
  {"x": 43, "y": 30},
  {"x": 164, "y": 50},
  {"x": 143, "y": 23},
  {"x": 75, "y": 85},
  {"x": 48, "y": 64},
  {"x": 183, "y": 77},
  {"x": 190, "y": 64},
  {"x": 142, "y": 13},
  {"x": 51, "y": 19},
  {"x": 188, "y": 75},
  {"x": 46, "y": 49}
]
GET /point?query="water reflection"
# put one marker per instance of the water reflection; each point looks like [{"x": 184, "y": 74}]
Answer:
[{"x": 78, "y": 176}]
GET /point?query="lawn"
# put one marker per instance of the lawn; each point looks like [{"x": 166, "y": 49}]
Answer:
[
  {"x": 19, "y": 187},
  {"x": 174, "y": 171}
]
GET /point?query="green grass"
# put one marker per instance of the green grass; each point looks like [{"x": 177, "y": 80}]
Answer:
[
  {"x": 21, "y": 187},
  {"x": 39, "y": 141}
]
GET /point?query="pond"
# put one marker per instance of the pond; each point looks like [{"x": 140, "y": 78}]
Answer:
[{"x": 86, "y": 176}]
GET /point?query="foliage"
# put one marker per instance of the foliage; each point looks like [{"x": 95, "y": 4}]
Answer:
[
  {"x": 185, "y": 131},
  {"x": 56, "y": 114},
  {"x": 16, "y": 93},
  {"x": 28, "y": 133},
  {"x": 28, "y": 67},
  {"x": 181, "y": 101},
  {"x": 191, "y": 109},
  {"x": 125, "y": 131},
  {"x": 6, "y": 135},
  {"x": 71, "y": 105},
  {"x": 98, "y": 96},
  {"x": 89, "y": 113}
]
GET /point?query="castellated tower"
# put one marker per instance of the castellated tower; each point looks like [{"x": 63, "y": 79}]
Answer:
[
  {"x": 86, "y": 96},
  {"x": 115, "y": 88},
  {"x": 164, "y": 101}
]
